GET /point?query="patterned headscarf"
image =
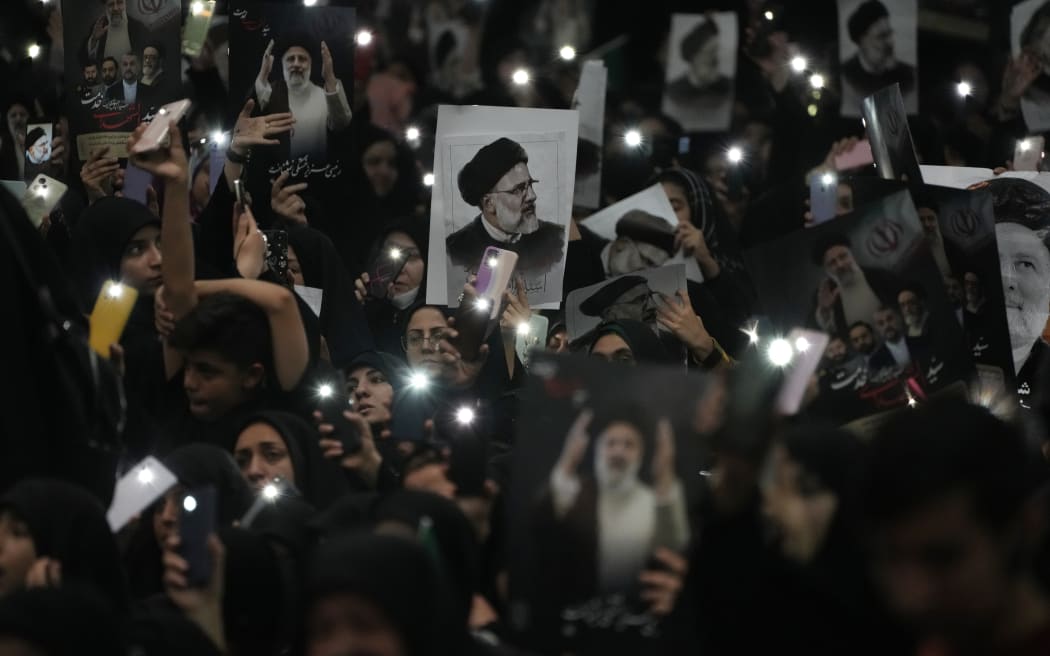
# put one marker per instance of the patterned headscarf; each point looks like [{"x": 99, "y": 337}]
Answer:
[{"x": 718, "y": 234}]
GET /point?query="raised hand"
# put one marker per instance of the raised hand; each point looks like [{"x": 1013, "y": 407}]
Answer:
[
  {"x": 285, "y": 200},
  {"x": 517, "y": 309},
  {"x": 676, "y": 315},
  {"x": 266, "y": 65},
  {"x": 463, "y": 372},
  {"x": 44, "y": 573},
  {"x": 251, "y": 130},
  {"x": 249, "y": 245},
  {"x": 201, "y": 605},
  {"x": 97, "y": 174},
  {"x": 163, "y": 318},
  {"x": 361, "y": 288},
  {"x": 365, "y": 461},
  {"x": 169, "y": 163},
  {"x": 661, "y": 587},
  {"x": 328, "y": 69},
  {"x": 100, "y": 28},
  {"x": 576, "y": 443}
]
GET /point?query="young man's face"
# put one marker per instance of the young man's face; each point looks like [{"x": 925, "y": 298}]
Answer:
[
  {"x": 215, "y": 385},
  {"x": 91, "y": 74},
  {"x": 129, "y": 68},
  {"x": 836, "y": 351},
  {"x": 296, "y": 67},
  {"x": 862, "y": 340},
  {"x": 876, "y": 46},
  {"x": 888, "y": 324},
  {"x": 941, "y": 569},
  {"x": 109, "y": 71},
  {"x": 512, "y": 202}
]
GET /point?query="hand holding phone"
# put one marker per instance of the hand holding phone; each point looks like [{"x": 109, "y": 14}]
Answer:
[
  {"x": 477, "y": 316},
  {"x": 823, "y": 196},
  {"x": 41, "y": 197},
  {"x": 156, "y": 135},
  {"x": 386, "y": 267},
  {"x": 197, "y": 521},
  {"x": 332, "y": 401},
  {"x": 110, "y": 315}
]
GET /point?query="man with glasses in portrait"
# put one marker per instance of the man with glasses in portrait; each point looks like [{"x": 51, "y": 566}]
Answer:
[{"x": 497, "y": 181}]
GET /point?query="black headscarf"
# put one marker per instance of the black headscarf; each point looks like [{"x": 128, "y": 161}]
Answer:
[
  {"x": 61, "y": 621},
  {"x": 317, "y": 478},
  {"x": 342, "y": 319},
  {"x": 392, "y": 367},
  {"x": 641, "y": 339},
  {"x": 402, "y": 199},
  {"x": 394, "y": 574},
  {"x": 69, "y": 525},
  {"x": 99, "y": 240},
  {"x": 196, "y": 465},
  {"x": 387, "y": 322},
  {"x": 718, "y": 233}
]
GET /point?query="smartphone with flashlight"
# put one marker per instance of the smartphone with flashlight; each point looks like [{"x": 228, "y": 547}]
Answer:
[
  {"x": 823, "y": 196},
  {"x": 808, "y": 350},
  {"x": 1028, "y": 153},
  {"x": 197, "y": 521},
  {"x": 155, "y": 136},
  {"x": 197, "y": 25},
  {"x": 384, "y": 270},
  {"x": 277, "y": 252},
  {"x": 477, "y": 316},
  {"x": 41, "y": 196},
  {"x": 136, "y": 183},
  {"x": 110, "y": 315},
  {"x": 332, "y": 401},
  {"x": 136, "y": 491},
  {"x": 411, "y": 409}
]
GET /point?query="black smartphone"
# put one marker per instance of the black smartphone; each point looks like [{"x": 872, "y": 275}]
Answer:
[
  {"x": 332, "y": 400},
  {"x": 196, "y": 523},
  {"x": 410, "y": 410},
  {"x": 384, "y": 270},
  {"x": 277, "y": 252}
]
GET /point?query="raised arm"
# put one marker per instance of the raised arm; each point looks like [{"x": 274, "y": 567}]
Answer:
[{"x": 291, "y": 352}]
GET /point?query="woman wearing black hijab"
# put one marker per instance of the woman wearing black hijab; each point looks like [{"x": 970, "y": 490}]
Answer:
[
  {"x": 314, "y": 262},
  {"x": 119, "y": 239},
  {"x": 280, "y": 444},
  {"x": 51, "y": 520},
  {"x": 628, "y": 341}
]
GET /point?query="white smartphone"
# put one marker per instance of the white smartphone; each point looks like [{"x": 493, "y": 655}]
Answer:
[
  {"x": 807, "y": 350},
  {"x": 1028, "y": 153},
  {"x": 41, "y": 196},
  {"x": 146, "y": 482},
  {"x": 156, "y": 135}
]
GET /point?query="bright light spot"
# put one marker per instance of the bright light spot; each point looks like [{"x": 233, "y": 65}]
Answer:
[
  {"x": 189, "y": 504},
  {"x": 204, "y": 140},
  {"x": 309, "y": 3},
  {"x": 219, "y": 137},
  {"x": 493, "y": 262},
  {"x": 145, "y": 476},
  {"x": 816, "y": 81},
  {"x": 752, "y": 333},
  {"x": 780, "y": 352},
  {"x": 41, "y": 191},
  {"x": 863, "y": 123},
  {"x": 911, "y": 401},
  {"x": 482, "y": 304},
  {"x": 802, "y": 344},
  {"x": 34, "y": 51},
  {"x": 632, "y": 138},
  {"x": 418, "y": 380},
  {"x": 395, "y": 253},
  {"x": 412, "y": 133},
  {"x": 827, "y": 179},
  {"x": 524, "y": 329},
  {"x": 1024, "y": 145},
  {"x": 465, "y": 415},
  {"x": 964, "y": 89},
  {"x": 363, "y": 38},
  {"x": 799, "y": 64},
  {"x": 197, "y": 8},
  {"x": 270, "y": 492},
  {"x": 162, "y": 111},
  {"x": 735, "y": 155},
  {"x": 115, "y": 290},
  {"x": 325, "y": 391},
  {"x": 769, "y": 16},
  {"x": 811, "y": 110},
  {"x": 428, "y": 179},
  {"x": 520, "y": 77},
  {"x": 568, "y": 53}
]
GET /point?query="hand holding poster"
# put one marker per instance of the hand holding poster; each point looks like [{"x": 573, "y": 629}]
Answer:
[{"x": 494, "y": 186}]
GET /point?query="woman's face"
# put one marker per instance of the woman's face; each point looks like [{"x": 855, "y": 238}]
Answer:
[
  {"x": 262, "y": 455},
  {"x": 166, "y": 517},
  {"x": 411, "y": 276},
  {"x": 295, "y": 268},
  {"x": 348, "y": 624},
  {"x": 380, "y": 163},
  {"x": 796, "y": 507},
  {"x": 140, "y": 264},
  {"x": 679, "y": 202},
  {"x": 372, "y": 394},
  {"x": 17, "y": 553}
]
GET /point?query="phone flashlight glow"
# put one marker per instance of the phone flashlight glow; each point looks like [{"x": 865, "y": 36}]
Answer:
[
  {"x": 189, "y": 504},
  {"x": 115, "y": 290},
  {"x": 145, "y": 476},
  {"x": 325, "y": 391}
]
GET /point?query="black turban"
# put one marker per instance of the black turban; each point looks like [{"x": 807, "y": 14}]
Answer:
[
  {"x": 864, "y": 17},
  {"x": 642, "y": 226},
  {"x": 34, "y": 135},
  {"x": 490, "y": 164},
  {"x": 607, "y": 295},
  {"x": 697, "y": 38},
  {"x": 824, "y": 243}
]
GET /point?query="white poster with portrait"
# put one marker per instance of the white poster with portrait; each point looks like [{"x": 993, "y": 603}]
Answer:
[
  {"x": 878, "y": 46},
  {"x": 1029, "y": 28},
  {"x": 496, "y": 184},
  {"x": 701, "y": 69}
]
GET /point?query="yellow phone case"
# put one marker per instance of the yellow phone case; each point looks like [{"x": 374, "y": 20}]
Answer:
[{"x": 110, "y": 315}]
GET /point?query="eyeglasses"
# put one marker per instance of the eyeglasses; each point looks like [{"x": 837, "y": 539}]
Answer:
[
  {"x": 518, "y": 190},
  {"x": 415, "y": 339}
]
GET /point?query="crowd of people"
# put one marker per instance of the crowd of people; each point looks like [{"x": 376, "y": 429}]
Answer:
[{"x": 351, "y": 518}]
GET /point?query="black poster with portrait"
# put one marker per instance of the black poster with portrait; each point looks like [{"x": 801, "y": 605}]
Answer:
[
  {"x": 288, "y": 57},
  {"x": 603, "y": 478},
  {"x": 121, "y": 64},
  {"x": 867, "y": 279}
]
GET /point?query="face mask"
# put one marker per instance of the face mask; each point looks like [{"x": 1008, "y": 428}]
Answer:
[{"x": 402, "y": 301}]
